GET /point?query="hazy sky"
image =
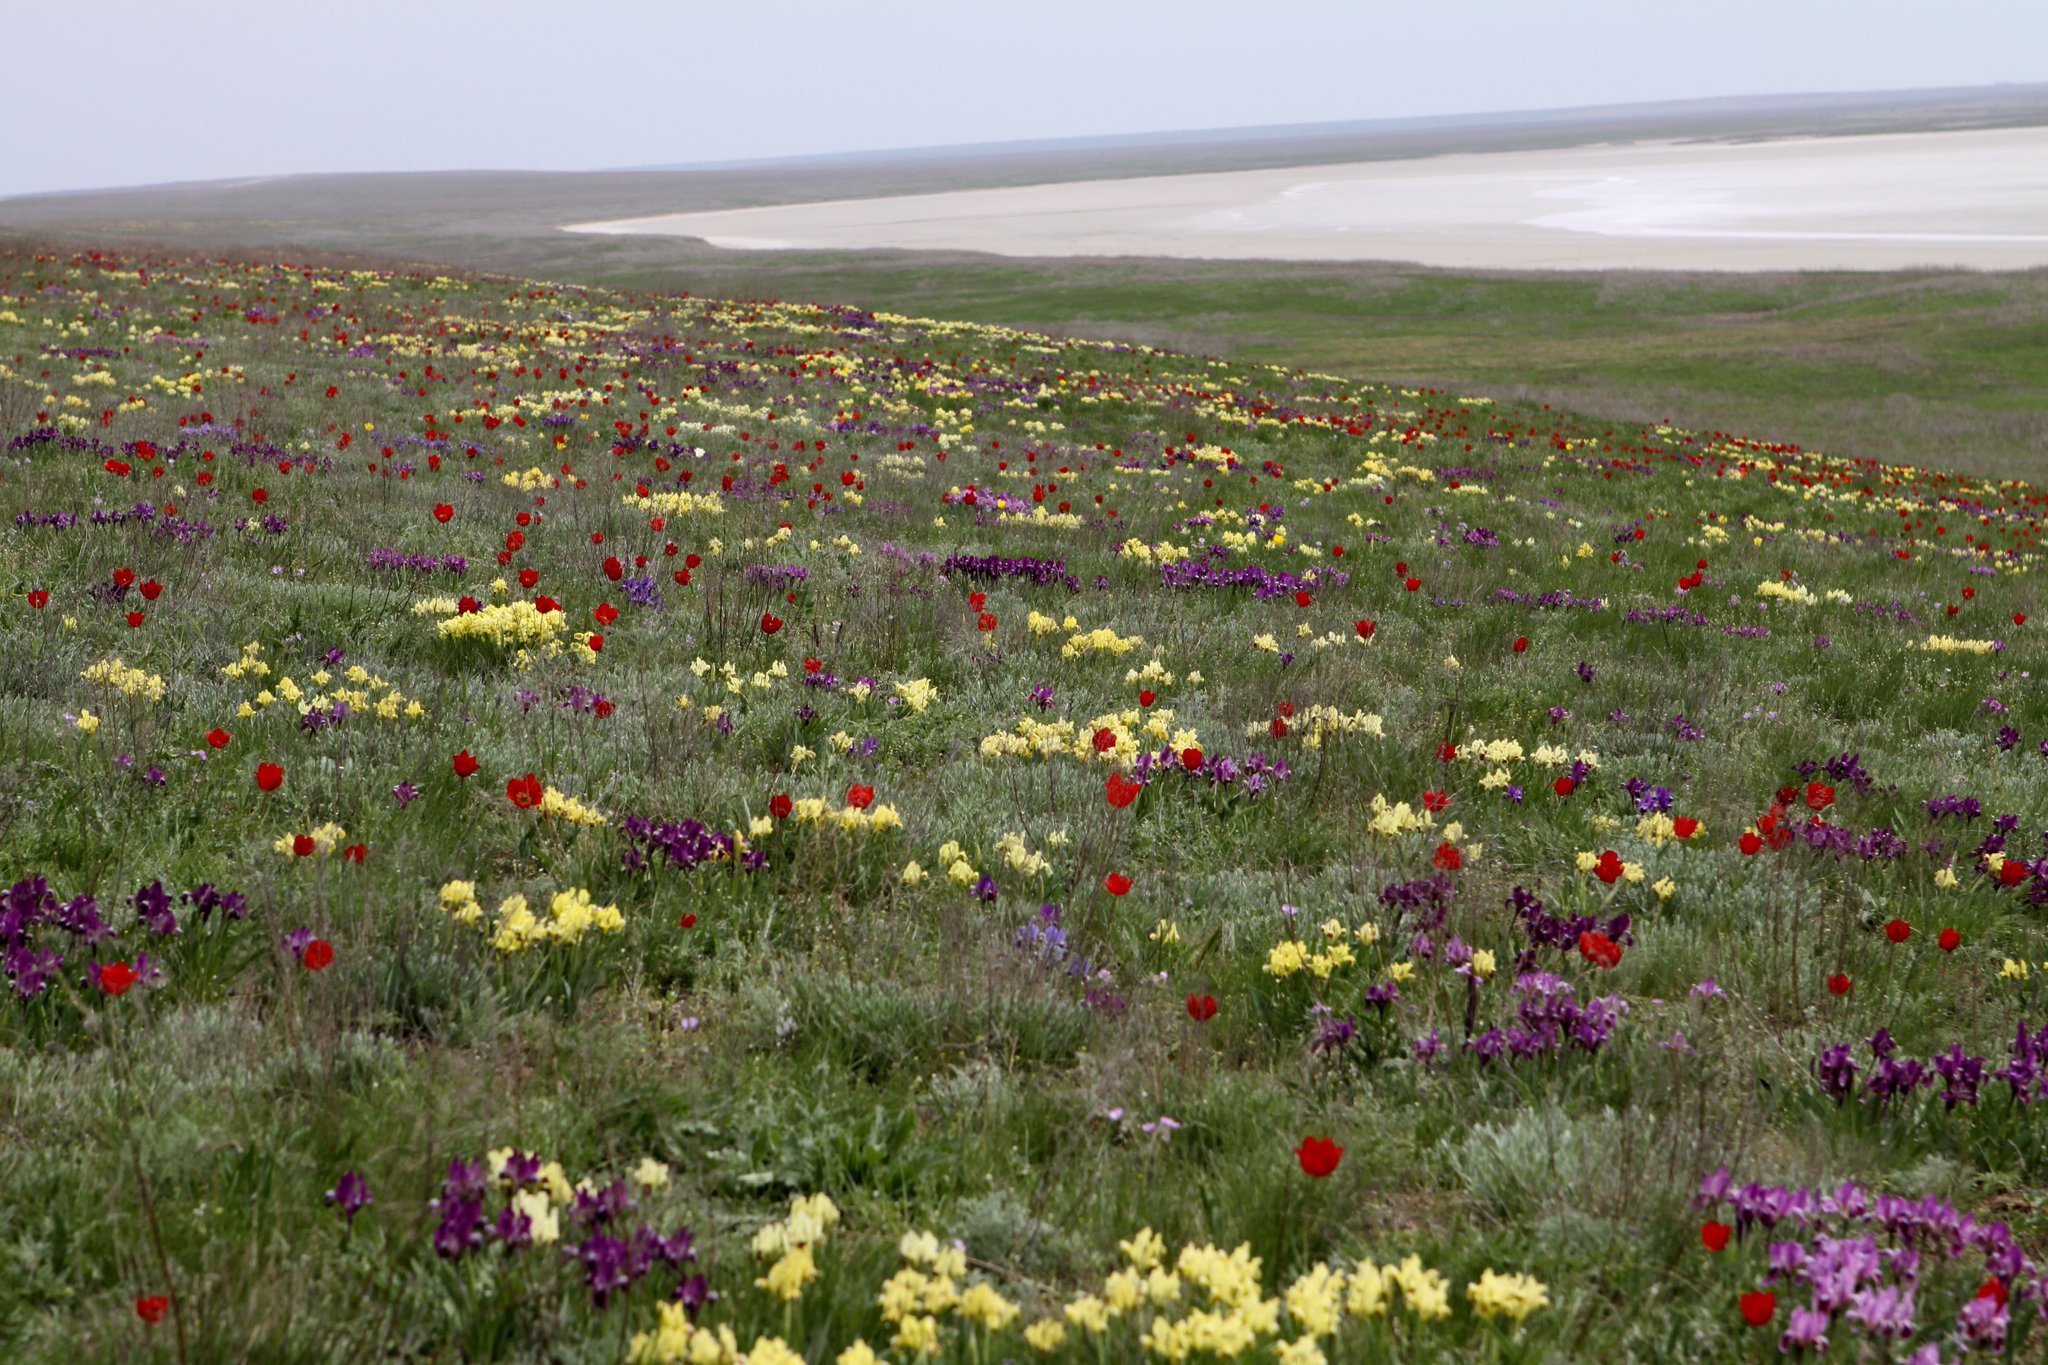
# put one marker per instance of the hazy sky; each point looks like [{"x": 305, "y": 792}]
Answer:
[{"x": 141, "y": 91}]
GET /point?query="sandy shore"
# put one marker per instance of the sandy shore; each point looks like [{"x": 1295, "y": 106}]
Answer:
[{"x": 1976, "y": 199}]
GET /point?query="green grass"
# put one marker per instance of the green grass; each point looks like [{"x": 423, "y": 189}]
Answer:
[{"x": 824, "y": 1024}]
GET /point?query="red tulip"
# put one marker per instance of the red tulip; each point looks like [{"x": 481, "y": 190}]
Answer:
[
  {"x": 151, "y": 590},
  {"x": 1949, "y": 941},
  {"x": 1303, "y": 599},
  {"x": 1201, "y": 1008},
  {"x": 1819, "y": 796},
  {"x": 259, "y": 495},
  {"x": 1839, "y": 984},
  {"x": 1318, "y": 1156},
  {"x": 594, "y": 643},
  {"x": 976, "y": 601},
  {"x": 302, "y": 845},
  {"x": 1521, "y": 644},
  {"x": 269, "y": 777},
  {"x": 1759, "y": 1308},
  {"x": 443, "y": 513},
  {"x": 613, "y": 569},
  {"x": 605, "y": 613},
  {"x": 123, "y": 577},
  {"x": 1105, "y": 740},
  {"x": 985, "y": 622},
  {"x": 1564, "y": 786},
  {"x": 525, "y": 792},
  {"x": 528, "y": 578},
  {"x": 1898, "y": 931},
  {"x": 1412, "y": 584},
  {"x": 1147, "y": 698},
  {"x": 1121, "y": 791},
  {"x": 688, "y": 921},
  {"x": 1749, "y": 844},
  {"x": 1600, "y": 950},
  {"x": 1609, "y": 868},
  {"x": 465, "y": 764},
  {"x": 152, "y": 1309},
  {"x": 780, "y": 806},
  {"x": 2012, "y": 872},
  {"x": 135, "y": 618},
  {"x": 2019, "y": 618},
  {"x": 1365, "y": 628},
  {"x": 770, "y": 623},
  {"x": 544, "y": 604},
  {"x": 1448, "y": 857},
  {"x": 1436, "y": 803},
  {"x": 1714, "y": 1236},
  {"x": 319, "y": 954},
  {"x": 217, "y": 738},
  {"x": 1685, "y": 827},
  {"x": 1191, "y": 758},
  {"x": 116, "y": 978},
  {"x": 39, "y": 598},
  {"x": 860, "y": 797},
  {"x": 1116, "y": 883}
]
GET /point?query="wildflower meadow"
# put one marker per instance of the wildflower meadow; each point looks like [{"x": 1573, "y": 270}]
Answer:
[{"x": 558, "y": 825}]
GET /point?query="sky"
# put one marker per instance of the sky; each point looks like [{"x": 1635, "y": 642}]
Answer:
[{"x": 152, "y": 92}]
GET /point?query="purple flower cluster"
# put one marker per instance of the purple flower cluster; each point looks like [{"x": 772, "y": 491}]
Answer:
[
  {"x": 1959, "y": 1074},
  {"x": 1252, "y": 774},
  {"x": 396, "y": 559},
  {"x": 1549, "y": 1019},
  {"x": 1546, "y": 930},
  {"x": 780, "y": 577},
  {"x": 995, "y": 568},
  {"x": 1561, "y": 599},
  {"x": 1264, "y": 583},
  {"x": 684, "y": 844},
  {"x": 1862, "y": 1259},
  {"x": 29, "y": 906},
  {"x": 611, "y": 1259}
]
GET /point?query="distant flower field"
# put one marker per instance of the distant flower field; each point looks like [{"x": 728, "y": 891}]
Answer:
[{"x": 549, "y": 825}]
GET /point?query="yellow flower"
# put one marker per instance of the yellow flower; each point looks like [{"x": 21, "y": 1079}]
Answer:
[
  {"x": 912, "y": 873},
  {"x": 918, "y": 1335},
  {"x": 650, "y": 1174},
  {"x": 1144, "y": 1250},
  {"x": 860, "y": 1353},
  {"x": 2013, "y": 970},
  {"x": 1483, "y": 964},
  {"x": 1509, "y": 1296},
  {"x": 1046, "y": 1335},
  {"x": 87, "y": 722},
  {"x": 788, "y": 1276},
  {"x": 982, "y": 1304}
]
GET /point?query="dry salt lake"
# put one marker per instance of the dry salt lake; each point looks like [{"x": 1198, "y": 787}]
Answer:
[{"x": 1976, "y": 198}]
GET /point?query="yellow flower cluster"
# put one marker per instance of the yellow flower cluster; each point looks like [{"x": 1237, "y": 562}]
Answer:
[
  {"x": 1290, "y": 957},
  {"x": 1950, "y": 644},
  {"x": 1391, "y": 821},
  {"x": 505, "y": 624},
  {"x": 812, "y": 810},
  {"x": 789, "y": 1244},
  {"x": 251, "y": 664},
  {"x": 1506, "y": 1296},
  {"x": 927, "y": 1286},
  {"x": 570, "y": 916},
  {"x": 1101, "y": 640},
  {"x": 1796, "y": 593},
  {"x": 679, "y": 504},
  {"x": 563, "y": 807},
  {"x": 129, "y": 682},
  {"x": 918, "y": 694},
  {"x": 326, "y": 839}
]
